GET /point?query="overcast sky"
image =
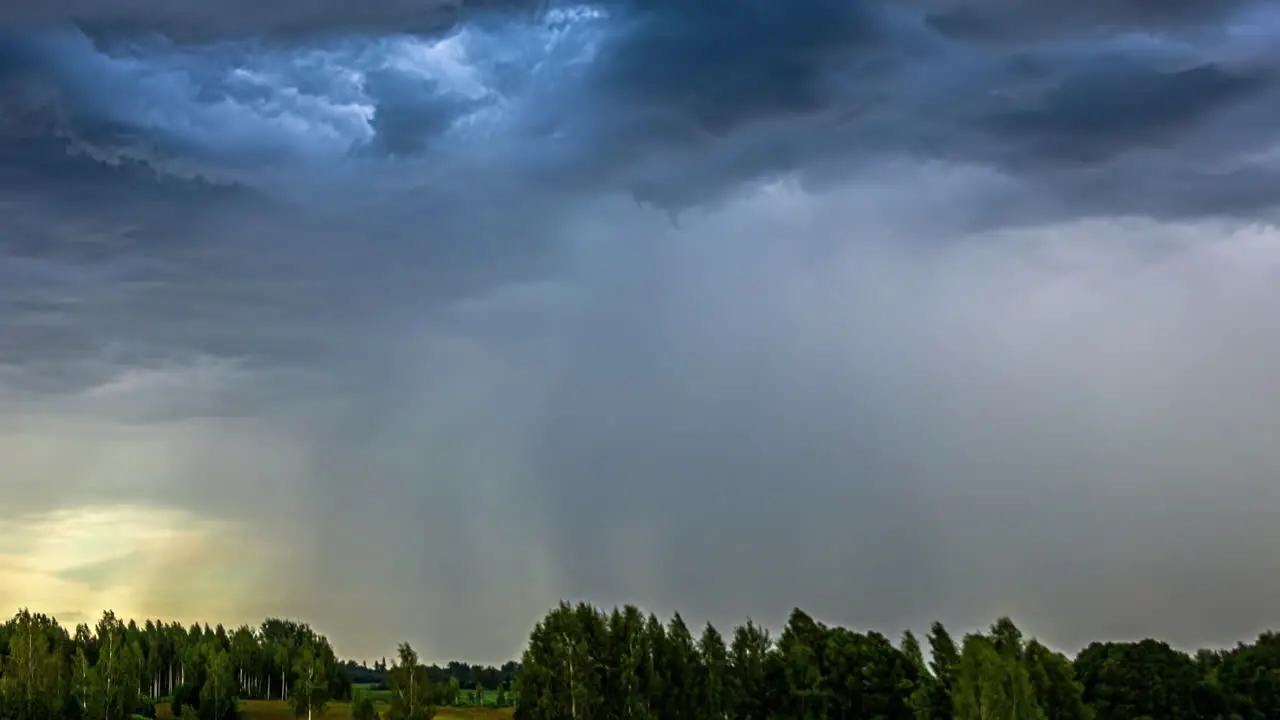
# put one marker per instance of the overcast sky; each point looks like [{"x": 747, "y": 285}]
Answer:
[{"x": 409, "y": 320}]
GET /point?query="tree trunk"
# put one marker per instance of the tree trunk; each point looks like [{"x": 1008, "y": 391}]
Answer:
[
  {"x": 30, "y": 666},
  {"x": 573, "y": 696}
]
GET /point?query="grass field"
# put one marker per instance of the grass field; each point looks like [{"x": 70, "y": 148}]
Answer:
[
  {"x": 278, "y": 710},
  {"x": 383, "y": 696}
]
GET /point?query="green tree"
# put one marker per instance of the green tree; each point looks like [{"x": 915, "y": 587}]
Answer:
[
  {"x": 714, "y": 661},
  {"x": 27, "y": 691},
  {"x": 1054, "y": 684},
  {"x": 564, "y": 668},
  {"x": 681, "y": 674},
  {"x": 244, "y": 654},
  {"x": 1123, "y": 681},
  {"x": 411, "y": 692},
  {"x": 218, "y": 695},
  {"x": 991, "y": 685},
  {"x": 118, "y": 670},
  {"x": 748, "y": 677},
  {"x": 537, "y": 686},
  {"x": 586, "y": 637},
  {"x": 944, "y": 664},
  {"x": 1007, "y": 638},
  {"x": 866, "y": 676},
  {"x": 924, "y": 688},
  {"x": 86, "y": 686},
  {"x": 945, "y": 656},
  {"x": 281, "y": 652},
  {"x": 628, "y": 656},
  {"x": 310, "y": 692},
  {"x": 801, "y": 648},
  {"x": 910, "y": 649}
]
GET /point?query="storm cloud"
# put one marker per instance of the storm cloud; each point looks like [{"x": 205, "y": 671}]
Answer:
[
  {"x": 196, "y": 20},
  {"x": 412, "y": 319}
]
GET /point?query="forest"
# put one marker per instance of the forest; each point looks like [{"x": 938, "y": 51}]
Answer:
[
  {"x": 583, "y": 663},
  {"x": 118, "y": 670}
]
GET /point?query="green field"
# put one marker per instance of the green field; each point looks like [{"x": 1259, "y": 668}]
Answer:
[
  {"x": 381, "y": 697},
  {"x": 279, "y": 710}
]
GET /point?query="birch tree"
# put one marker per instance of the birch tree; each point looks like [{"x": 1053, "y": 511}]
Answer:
[
  {"x": 309, "y": 695},
  {"x": 25, "y": 685},
  {"x": 412, "y": 695},
  {"x": 217, "y": 697}
]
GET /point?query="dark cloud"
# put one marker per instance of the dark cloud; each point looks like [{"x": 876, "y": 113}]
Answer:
[
  {"x": 707, "y": 67},
  {"x": 725, "y": 97},
  {"x": 1114, "y": 104},
  {"x": 196, "y": 20},
  {"x": 681, "y": 103},
  {"x": 409, "y": 111},
  {"x": 1013, "y": 21}
]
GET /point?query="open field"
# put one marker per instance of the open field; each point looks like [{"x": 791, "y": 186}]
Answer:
[
  {"x": 381, "y": 697},
  {"x": 278, "y": 710}
]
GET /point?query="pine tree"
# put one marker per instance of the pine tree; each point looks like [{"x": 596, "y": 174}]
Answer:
[{"x": 714, "y": 668}]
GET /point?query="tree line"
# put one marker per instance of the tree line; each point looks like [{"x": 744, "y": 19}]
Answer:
[
  {"x": 465, "y": 675},
  {"x": 117, "y": 670},
  {"x": 456, "y": 684},
  {"x": 585, "y": 664}
]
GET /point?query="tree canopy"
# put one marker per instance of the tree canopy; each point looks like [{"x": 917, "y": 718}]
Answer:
[
  {"x": 116, "y": 670},
  {"x": 582, "y": 663}
]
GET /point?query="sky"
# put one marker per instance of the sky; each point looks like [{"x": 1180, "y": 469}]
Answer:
[{"x": 411, "y": 319}]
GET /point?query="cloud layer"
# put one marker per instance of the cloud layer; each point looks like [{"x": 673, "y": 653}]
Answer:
[
  {"x": 195, "y": 20},
  {"x": 897, "y": 311}
]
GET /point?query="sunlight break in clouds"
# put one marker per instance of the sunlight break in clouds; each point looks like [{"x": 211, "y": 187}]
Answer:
[
  {"x": 941, "y": 309},
  {"x": 143, "y": 562}
]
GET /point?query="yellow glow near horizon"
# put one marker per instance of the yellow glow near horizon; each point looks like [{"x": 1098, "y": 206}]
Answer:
[{"x": 141, "y": 562}]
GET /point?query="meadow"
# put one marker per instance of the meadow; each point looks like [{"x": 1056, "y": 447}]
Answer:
[{"x": 380, "y": 698}]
